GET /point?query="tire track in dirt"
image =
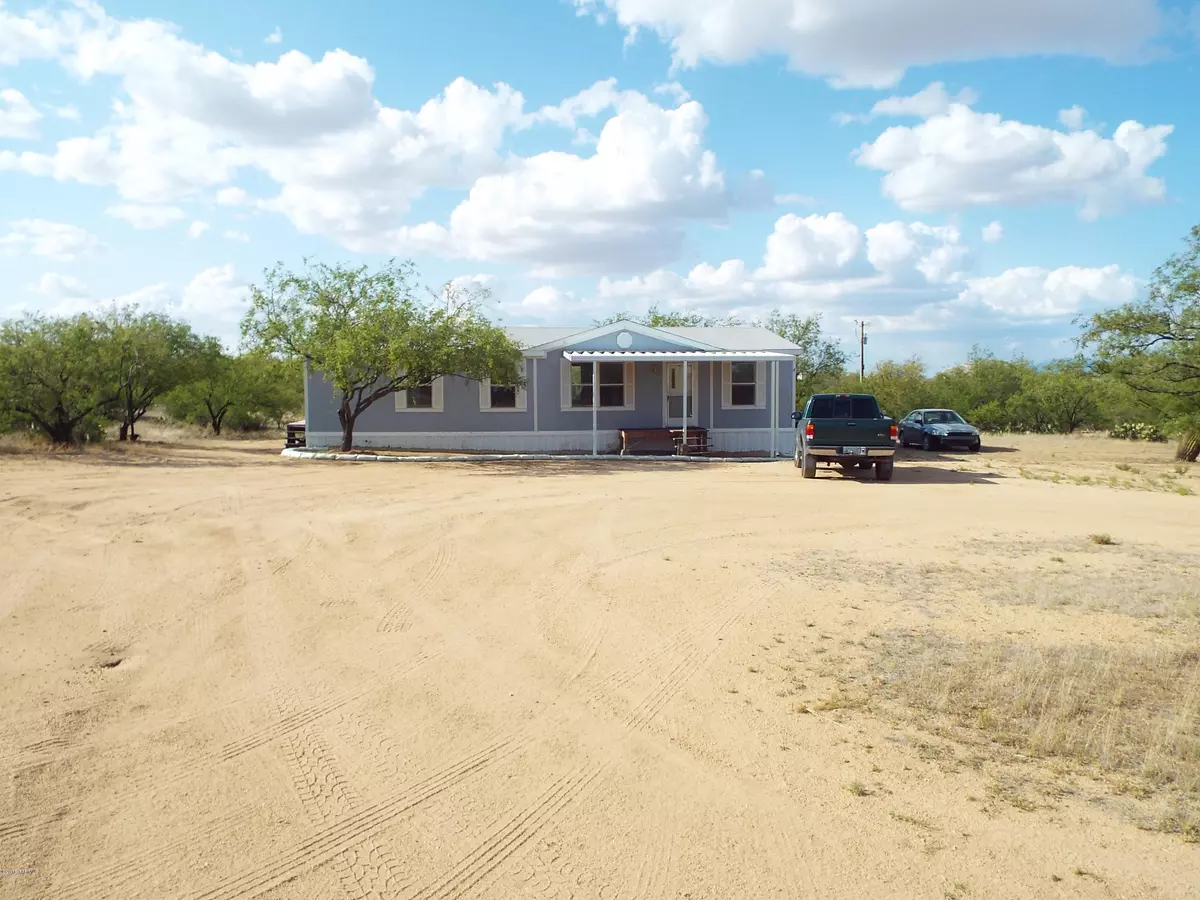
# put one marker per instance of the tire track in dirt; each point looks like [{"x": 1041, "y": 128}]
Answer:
[
  {"x": 322, "y": 846},
  {"x": 305, "y": 715},
  {"x": 367, "y": 870},
  {"x": 656, "y": 860},
  {"x": 512, "y": 835},
  {"x": 399, "y": 615}
]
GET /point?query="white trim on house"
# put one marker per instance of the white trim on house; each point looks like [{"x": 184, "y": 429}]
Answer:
[
  {"x": 760, "y": 386},
  {"x": 500, "y": 441},
  {"x": 629, "y": 377},
  {"x": 726, "y": 440},
  {"x": 438, "y": 400},
  {"x": 604, "y": 330},
  {"x": 485, "y": 395},
  {"x": 667, "y": 356}
]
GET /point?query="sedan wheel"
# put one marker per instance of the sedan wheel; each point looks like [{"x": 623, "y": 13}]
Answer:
[{"x": 927, "y": 443}]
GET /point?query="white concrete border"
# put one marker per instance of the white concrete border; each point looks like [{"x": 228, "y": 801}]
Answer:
[{"x": 321, "y": 455}]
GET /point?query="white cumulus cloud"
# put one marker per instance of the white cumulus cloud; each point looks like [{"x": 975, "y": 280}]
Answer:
[
  {"x": 619, "y": 209},
  {"x": 992, "y": 233},
  {"x": 275, "y": 37},
  {"x": 963, "y": 158},
  {"x": 61, "y": 287},
  {"x": 18, "y": 117},
  {"x": 55, "y": 240},
  {"x": 871, "y": 44},
  {"x": 1073, "y": 118},
  {"x": 146, "y": 216},
  {"x": 197, "y": 229}
]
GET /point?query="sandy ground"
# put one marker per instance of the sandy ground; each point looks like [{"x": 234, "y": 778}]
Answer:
[{"x": 229, "y": 675}]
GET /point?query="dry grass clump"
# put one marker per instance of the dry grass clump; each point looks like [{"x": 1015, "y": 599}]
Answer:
[
  {"x": 1152, "y": 594},
  {"x": 1122, "y": 712}
]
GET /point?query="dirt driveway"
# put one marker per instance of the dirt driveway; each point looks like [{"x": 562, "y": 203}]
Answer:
[{"x": 228, "y": 675}]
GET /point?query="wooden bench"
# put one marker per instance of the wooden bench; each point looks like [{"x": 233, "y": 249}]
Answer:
[
  {"x": 663, "y": 440},
  {"x": 295, "y": 434}
]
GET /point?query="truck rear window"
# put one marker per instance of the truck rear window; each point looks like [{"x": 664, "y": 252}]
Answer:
[{"x": 844, "y": 408}]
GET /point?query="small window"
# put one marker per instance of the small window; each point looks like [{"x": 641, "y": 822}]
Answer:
[
  {"x": 612, "y": 384},
  {"x": 743, "y": 389},
  {"x": 420, "y": 397},
  {"x": 504, "y": 396}
]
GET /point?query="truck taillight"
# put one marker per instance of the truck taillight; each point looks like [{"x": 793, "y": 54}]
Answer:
[
  {"x": 893, "y": 432},
  {"x": 809, "y": 430}
]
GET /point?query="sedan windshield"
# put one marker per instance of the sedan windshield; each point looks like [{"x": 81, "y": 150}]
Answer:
[{"x": 943, "y": 417}]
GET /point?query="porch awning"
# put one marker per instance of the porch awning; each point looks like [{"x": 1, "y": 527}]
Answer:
[{"x": 676, "y": 356}]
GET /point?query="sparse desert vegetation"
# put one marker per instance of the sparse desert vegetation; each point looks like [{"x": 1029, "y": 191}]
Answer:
[{"x": 952, "y": 684}]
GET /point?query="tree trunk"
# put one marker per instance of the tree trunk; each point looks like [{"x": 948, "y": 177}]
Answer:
[
  {"x": 124, "y": 434},
  {"x": 1189, "y": 447},
  {"x": 216, "y": 426},
  {"x": 62, "y": 433},
  {"x": 346, "y": 417}
]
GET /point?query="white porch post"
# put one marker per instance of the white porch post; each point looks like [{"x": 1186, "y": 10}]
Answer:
[
  {"x": 535, "y": 395},
  {"x": 774, "y": 408},
  {"x": 307, "y": 420},
  {"x": 595, "y": 407},
  {"x": 685, "y": 405}
]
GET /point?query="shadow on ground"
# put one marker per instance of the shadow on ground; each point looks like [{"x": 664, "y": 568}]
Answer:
[
  {"x": 146, "y": 454},
  {"x": 910, "y": 473}
]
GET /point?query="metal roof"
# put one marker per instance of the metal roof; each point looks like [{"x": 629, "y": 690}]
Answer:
[
  {"x": 724, "y": 337},
  {"x": 677, "y": 355}
]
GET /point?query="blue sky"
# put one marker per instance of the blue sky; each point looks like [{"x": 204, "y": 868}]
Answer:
[{"x": 955, "y": 176}]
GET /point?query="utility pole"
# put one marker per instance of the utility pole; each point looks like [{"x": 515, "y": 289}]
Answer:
[{"x": 862, "y": 350}]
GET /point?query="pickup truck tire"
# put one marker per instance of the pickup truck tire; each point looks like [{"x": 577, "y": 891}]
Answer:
[
  {"x": 798, "y": 458},
  {"x": 884, "y": 469},
  {"x": 808, "y": 466}
]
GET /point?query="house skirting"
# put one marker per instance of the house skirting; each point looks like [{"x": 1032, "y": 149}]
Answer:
[{"x": 724, "y": 440}]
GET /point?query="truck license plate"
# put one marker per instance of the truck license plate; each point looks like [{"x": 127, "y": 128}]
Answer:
[{"x": 854, "y": 451}]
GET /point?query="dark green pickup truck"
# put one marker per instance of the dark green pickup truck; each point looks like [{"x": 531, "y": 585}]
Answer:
[{"x": 847, "y": 429}]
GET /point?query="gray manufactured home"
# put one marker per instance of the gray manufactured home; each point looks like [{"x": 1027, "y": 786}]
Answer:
[{"x": 583, "y": 386}]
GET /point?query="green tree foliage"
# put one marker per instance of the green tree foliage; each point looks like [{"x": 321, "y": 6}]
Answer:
[
  {"x": 819, "y": 360},
  {"x": 1066, "y": 394},
  {"x": 1153, "y": 345},
  {"x": 370, "y": 336},
  {"x": 57, "y": 374},
  {"x": 248, "y": 391},
  {"x": 899, "y": 386},
  {"x": 152, "y": 354},
  {"x": 656, "y": 317}
]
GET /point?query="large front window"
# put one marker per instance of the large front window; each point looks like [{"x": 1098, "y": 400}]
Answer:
[
  {"x": 612, "y": 385},
  {"x": 743, "y": 390},
  {"x": 420, "y": 397}
]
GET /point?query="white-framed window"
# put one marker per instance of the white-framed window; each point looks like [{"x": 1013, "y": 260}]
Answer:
[
  {"x": 422, "y": 398},
  {"x": 616, "y": 385},
  {"x": 502, "y": 397},
  {"x": 743, "y": 385}
]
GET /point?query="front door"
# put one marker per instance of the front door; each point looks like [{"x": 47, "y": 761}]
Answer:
[{"x": 673, "y": 394}]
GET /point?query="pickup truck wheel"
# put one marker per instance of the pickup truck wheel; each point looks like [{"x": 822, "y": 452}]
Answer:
[
  {"x": 808, "y": 467},
  {"x": 884, "y": 469},
  {"x": 798, "y": 458}
]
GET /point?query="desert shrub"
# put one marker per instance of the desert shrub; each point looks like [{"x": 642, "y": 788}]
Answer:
[{"x": 1138, "y": 431}]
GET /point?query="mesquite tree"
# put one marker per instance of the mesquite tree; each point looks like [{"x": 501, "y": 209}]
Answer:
[
  {"x": 1154, "y": 344},
  {"x": 57, "y": 374},
  {"x": 152, "y": 354},
  {"x": 369, "y": 335}
]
